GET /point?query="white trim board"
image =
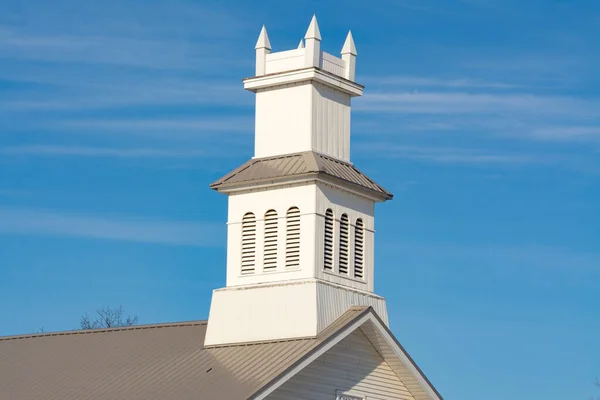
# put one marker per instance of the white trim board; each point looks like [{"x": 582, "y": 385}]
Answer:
[{"x": 369, "y": 316}]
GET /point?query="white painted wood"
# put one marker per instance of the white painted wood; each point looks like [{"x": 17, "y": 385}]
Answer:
[
  {"x": 284, "y": 310},
  {"x": 397, "y": 358},
  {"x": 352, "y": 366},
  {"x": 355, "y": 207},
  {"x": 303, "y": 100},
  {"x": 283, "y": 120},
  {"x": 302, "y": 116},
  {"x": 334, "y": 300},
  {"x": 331, "y": 121},
  {"x": 312, "y": 43},
  {"x": 305, "y": 74},
  {"x": 383, "y": 342},
  {"x": 258, "y": 313},
  {"x": 285, "y": 61},
  {"x": 349, "y": 57},
  {"x": 331, "y": 63},
  {"x": 303, "y": 97},
  {"x": 263, "y": 48},
  {"x": 259, "y": 202}
]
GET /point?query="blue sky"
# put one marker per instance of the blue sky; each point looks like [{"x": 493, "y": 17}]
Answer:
[{"x": 481, "y": 116}]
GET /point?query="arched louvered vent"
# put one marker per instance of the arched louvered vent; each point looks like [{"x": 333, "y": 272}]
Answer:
[
  {"x": 292, "y": 238},
  {"x": 359, "y": 246},
  {"x": 270, "y": 252},
  {"x": 248, "y": 243},
  {"x": 328, "y": 245},
  {"x": 343, "y": 253}
]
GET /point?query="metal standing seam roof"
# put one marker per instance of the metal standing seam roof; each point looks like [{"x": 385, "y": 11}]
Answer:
[
  {"x": 146, "y": 362},
  {"x": 303, "y": 164}
]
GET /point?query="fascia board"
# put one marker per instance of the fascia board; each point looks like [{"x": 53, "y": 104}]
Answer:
[
  {"x": 300, "y": 75},
  {"x": 367, "y": 315},
  {"x": 310, "y": 177},
  {"x": 311, "y": 356}
]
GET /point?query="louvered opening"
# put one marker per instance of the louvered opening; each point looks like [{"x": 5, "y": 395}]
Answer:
[
  {"x": 328, "y": 248},
  {"x": 292, "y": 241},
  {"x": 270, "y": 250},
  {"x": 359, "y": 236},
  {"x": 343, "y": 252},
  {"x": 248, "y": 243}
]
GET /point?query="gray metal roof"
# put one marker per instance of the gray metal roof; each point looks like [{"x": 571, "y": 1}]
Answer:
[
  {"x": 299, "y": 165},
  {"x": 146, "y": 362}
]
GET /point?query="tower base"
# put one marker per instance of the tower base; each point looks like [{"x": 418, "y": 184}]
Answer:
[{"x": 281, "y": 311}]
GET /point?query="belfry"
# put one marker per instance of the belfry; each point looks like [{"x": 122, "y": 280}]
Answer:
[{"x": 300, "y": 246}]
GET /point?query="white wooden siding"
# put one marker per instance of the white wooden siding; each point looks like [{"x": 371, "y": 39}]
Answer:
[{"x": 352, "y": 366}]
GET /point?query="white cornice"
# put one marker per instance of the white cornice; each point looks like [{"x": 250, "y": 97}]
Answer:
[{"x": 310, "y": 74}]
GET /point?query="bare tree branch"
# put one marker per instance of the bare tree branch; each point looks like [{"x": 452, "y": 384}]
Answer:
[{"x": 107, "y": 317}]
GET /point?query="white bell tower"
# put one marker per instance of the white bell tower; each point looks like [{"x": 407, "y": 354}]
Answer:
[{"x": 301, "y": 215}]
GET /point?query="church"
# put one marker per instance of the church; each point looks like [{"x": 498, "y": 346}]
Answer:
[{"x": 298, "y": 318}]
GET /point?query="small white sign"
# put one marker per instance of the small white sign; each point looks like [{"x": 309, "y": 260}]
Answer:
[{"x": 341, "y": 396}]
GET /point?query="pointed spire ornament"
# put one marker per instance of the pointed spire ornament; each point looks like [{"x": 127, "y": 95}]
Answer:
[
  {"x": 313, "y": 30},
  {"x": 263, "y": 47},
  {"x": 349, "y": 57},
  {"x": 301, "y": 44},
  {"x": 263, "y": 40},
  {"x": 312, "y": 42},
  {"x": 349, "y": 47}
]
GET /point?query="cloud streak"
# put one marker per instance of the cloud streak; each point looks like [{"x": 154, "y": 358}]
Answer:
[
  {"x": 166, "y": 126},
  {"x": 414, "y": 82},
  {"x": 75, "y": 151},
  {"x": 181, "y": 35},
  {"x": 477, "y": 103},
  {"x": 19, "y": 221},
  {"x": 448, "y": 155},
  {"x": 149, "y": 91}
]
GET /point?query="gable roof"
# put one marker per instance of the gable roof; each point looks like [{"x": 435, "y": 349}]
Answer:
[
  {"x": 384, "y": 342},
  {"x": 169, "y": 361},
  {"x": 307, "y": 164},
  {"x": 143, "y": 362}
]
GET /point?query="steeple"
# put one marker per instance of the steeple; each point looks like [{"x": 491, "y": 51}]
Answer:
[
  {"x": 303, "y": 97},
  {"x": 300, "y": 241}
]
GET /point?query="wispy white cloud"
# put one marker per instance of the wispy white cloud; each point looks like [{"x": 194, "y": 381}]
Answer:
[
  {"x": 478, "y": 103},
  {"x": 449, "y": 155},
  {"x": 177, "y": 35},
  {"x": 123, "y": 51},
  {"x": 75, "y": 151},
  {"x": 567, "y": 133},
  {"x": 510, "y": 258},
  {"x": 166, "y": 126},
  {"x": 146, "y": 92},
  {"x": 416, "y": 82},
  {"x": 20, "y": 221}
]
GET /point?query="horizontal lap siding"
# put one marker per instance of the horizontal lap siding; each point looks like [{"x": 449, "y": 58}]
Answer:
[{"x": 354, "y": 366}]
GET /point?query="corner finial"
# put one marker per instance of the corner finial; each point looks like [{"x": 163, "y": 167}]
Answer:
[
  {"x": 263, "y": 47},
  {"x": 349, "y": 47},
  {"x": 301, "y": 44},
  {"x": 263, "y": 40},
  {"x": 313, "y": 30},
  {"x": 349, "y": 57}
]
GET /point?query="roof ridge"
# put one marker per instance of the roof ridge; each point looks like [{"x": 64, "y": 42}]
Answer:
[
  {"x": 332, "y": 158},
  {"x": 103, "y": 330},
  {"x": 260, "y": 342}
]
